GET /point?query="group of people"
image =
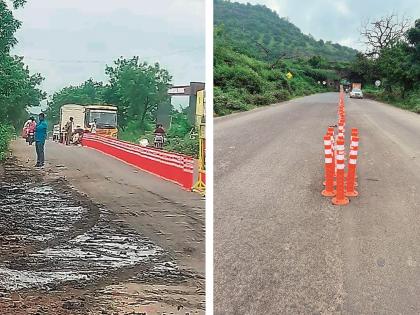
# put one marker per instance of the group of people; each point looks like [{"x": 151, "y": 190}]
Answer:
[
  {"x": 39, "y": 132},
  {"x": 40, "y": 135},
  {"x": 74, "y": 135}
]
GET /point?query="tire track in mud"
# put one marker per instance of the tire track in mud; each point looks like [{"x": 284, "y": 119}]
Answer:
[
  {"x": 52, "y": 237},
  {"x": 22, "y": 194}
]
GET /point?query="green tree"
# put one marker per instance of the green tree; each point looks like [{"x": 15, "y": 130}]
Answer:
[
  {"x": 139, "y": 87},
  {"x": 8, "y": 26},
  {"x": 364, "y": 70},
  {"x": 88, "y": 93},
  {"x": 394, "y": 65},
  {"x": 18, "y": 88}
]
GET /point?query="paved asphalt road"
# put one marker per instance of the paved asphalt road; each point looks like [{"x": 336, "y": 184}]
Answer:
[{"x": 282, "y": 248}]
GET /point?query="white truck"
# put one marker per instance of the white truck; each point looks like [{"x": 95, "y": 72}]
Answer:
[
  {"x": 71, "y": 110},
  {"x": 104, "y": 117}
]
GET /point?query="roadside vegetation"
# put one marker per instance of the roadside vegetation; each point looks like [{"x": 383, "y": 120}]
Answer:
[
  {"x": 395, "y": 62},
  {"x": 18, "y": 88},
  {"x": 6, "y": 133},
  {"x": 255, "y": 49}
]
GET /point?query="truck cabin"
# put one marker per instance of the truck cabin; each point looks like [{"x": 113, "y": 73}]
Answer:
[{"x": 106, "y": 119}]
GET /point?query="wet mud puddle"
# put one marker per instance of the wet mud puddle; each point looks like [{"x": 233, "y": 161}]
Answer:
[{"x": 51, "y": 237}]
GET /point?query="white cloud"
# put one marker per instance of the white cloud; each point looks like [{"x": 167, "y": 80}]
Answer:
[{"x": 341, "y": 7}]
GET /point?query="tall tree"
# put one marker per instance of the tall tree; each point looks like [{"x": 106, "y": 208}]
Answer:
[
  {"x": 89, "y": 92},
  {"x": 383, "y": 33},
  {"x": 394, "y": 64},
  {"x": 140, "y": 88},
  {"x": 18, "y": 88}
]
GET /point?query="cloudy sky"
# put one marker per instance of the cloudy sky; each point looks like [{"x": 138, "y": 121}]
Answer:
[
  {"x": 69, "y": 41},
  {"x": 338, "y": 20}
]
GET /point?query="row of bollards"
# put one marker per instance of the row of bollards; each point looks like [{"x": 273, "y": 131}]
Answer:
[{"x": 339, "y": 184}]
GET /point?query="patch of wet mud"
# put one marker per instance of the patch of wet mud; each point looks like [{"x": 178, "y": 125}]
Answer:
[
  {"x": 49, "y": 238},
  {"x": 62, "y": 254}
]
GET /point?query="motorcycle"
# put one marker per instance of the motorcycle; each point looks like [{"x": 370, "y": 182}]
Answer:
[
  {"x": 30, "y": 138},
  {"x": 158, "y": 141}
]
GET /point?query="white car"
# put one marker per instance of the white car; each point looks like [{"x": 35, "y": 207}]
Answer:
[{"x": 357, "y": 93}]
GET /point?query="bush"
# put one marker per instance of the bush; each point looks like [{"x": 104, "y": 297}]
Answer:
[
  {"x": 177, "y": 137},
  {"x": 229, "y": 101},
  {"x": 6, "y": 133},
  {"x": 184, "y": 145}
]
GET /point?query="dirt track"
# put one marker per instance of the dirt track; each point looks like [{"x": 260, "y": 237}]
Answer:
[{"x": 131, "y": 244}]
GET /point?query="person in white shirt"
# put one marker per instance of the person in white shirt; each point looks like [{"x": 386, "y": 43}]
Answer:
[{"x": 93, "y": 127}]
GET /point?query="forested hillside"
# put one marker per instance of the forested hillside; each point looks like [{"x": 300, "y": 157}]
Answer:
[
  {"x": 259, "y": 32},
  {"x": 260, "y": 59}
]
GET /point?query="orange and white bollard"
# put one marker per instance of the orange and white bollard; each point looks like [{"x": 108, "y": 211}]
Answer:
[
  {"x": 341, "y": 130},
  {"x": 340, "y": 198},
  {"x": 329, "y": 168},
  {"x": 340, "y": 149},
  {"x": 351, "y": 176},
  {"x": 354, "y": 149},
  {"x": 330, "y": 132}
]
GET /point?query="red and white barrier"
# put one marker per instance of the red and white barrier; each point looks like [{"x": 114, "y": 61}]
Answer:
[{"x": 174, "y": 167}]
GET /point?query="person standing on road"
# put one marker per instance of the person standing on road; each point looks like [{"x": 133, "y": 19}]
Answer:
[
  {"x": 40, "y": 137},
  {"x": 68, "y": 128}
]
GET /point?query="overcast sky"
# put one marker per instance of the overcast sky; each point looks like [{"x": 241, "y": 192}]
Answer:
[
  {"x": 338, "y": 20},
  {"x": 69, "y": 41}
]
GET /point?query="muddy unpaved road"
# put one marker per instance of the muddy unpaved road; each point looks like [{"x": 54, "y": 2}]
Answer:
[{"x": 62, "y": 253}]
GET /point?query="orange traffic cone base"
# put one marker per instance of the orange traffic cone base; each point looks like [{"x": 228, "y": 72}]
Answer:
[
  {"x": 341, "y": 202},
  {"x": 326, "y": 193},
  {"x": 352, "y": 194}
]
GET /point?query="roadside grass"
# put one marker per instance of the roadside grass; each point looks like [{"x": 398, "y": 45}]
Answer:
[
  {"x": 410, "y": 102},
  {"x": 6, "y": 134}
]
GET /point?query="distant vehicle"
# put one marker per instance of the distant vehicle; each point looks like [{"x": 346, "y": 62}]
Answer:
[
  {"x": 84, "y": 116},
  {"x": 67, "y": 111},
  {"x": 356, "y": 93},
  {"x": 106, "y": 119},
  {"x": 356, "y": 85},
  {"x": 56, "y": 133}
]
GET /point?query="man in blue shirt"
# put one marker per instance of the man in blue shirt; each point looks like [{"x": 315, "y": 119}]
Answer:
[{"x": 40, "y": 137}]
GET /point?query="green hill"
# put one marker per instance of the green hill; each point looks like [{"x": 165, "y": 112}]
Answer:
[
  {"x": 259, "y": 32},
  {"x": 255, "y": 49}
]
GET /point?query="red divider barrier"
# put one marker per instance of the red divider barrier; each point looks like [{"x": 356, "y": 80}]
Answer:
[{"x": 174, "y": 167}]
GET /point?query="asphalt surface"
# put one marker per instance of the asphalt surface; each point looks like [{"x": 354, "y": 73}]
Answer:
[{"x": 282, "y": 248}]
